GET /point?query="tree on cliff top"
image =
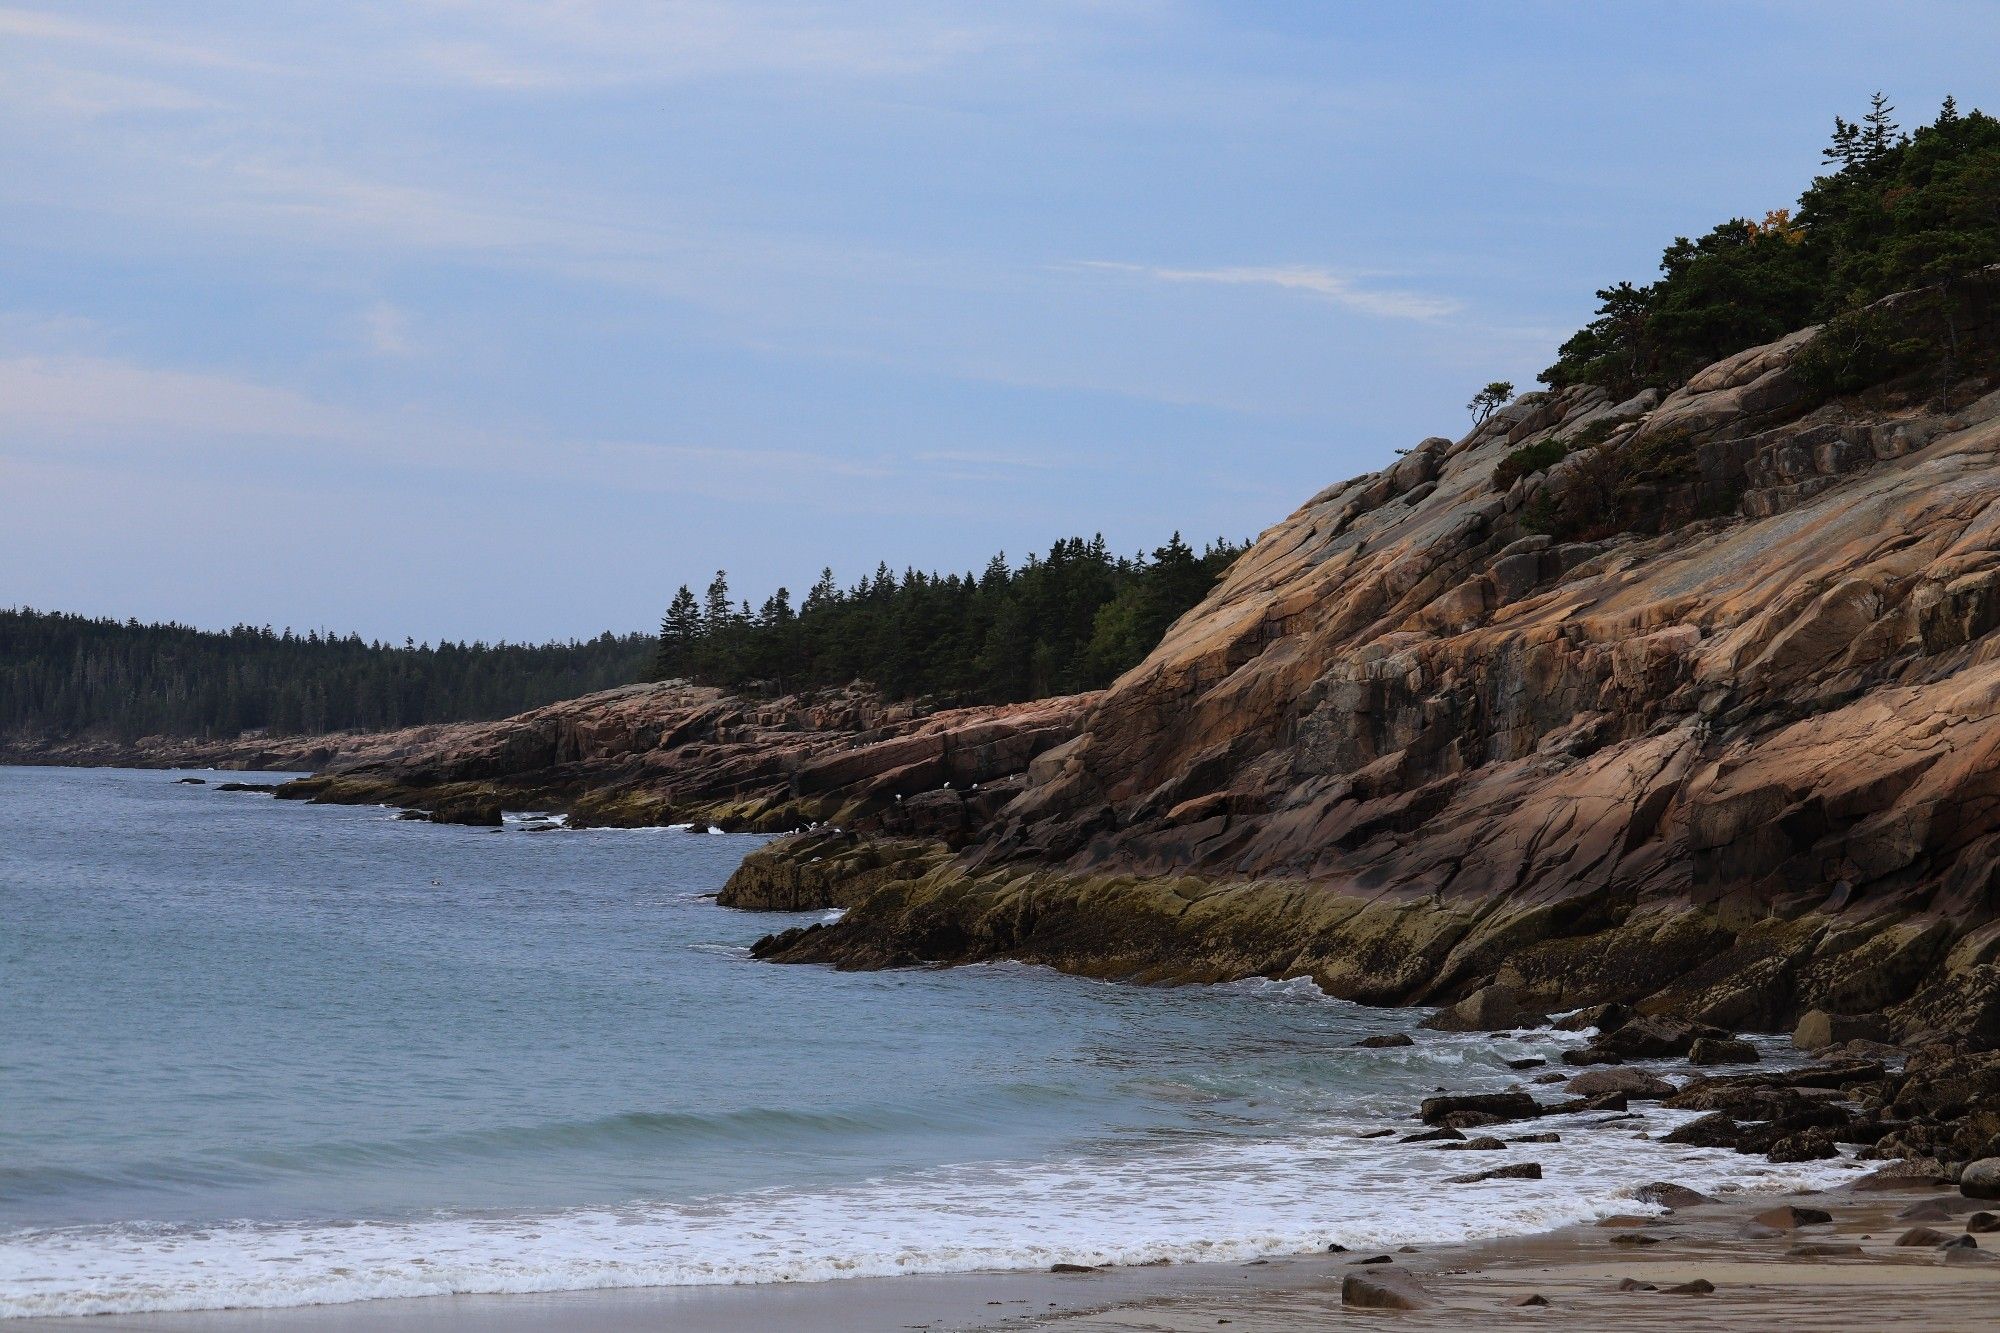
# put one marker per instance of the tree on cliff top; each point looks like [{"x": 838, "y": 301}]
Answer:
[
  {"x": 1489, "y": 400},
  {"x": 1897, "y": 211},
  {"x": 1073, "y": 619}
]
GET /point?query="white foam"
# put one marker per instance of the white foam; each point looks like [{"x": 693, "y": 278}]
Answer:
[{"x": 1226, "y": 1200}]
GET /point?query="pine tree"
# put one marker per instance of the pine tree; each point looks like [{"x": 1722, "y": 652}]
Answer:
[{"x": 680, "y": 631}]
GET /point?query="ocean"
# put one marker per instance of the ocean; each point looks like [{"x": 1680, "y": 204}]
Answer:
[{"x": 259, "y": 1053}]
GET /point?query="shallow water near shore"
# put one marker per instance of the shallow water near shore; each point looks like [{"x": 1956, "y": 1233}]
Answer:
[{"x": 259, "y": 1053}]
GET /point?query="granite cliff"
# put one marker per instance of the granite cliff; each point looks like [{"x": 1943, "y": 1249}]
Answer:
[
  {"x": 1692, "y": 703},
  {"x": 678, "y": 753}
]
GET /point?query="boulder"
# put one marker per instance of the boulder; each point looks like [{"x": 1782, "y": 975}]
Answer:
[
  {"x": 1489, "y": 1009},
  {"x": 470, "y": 810},
  {"x": 1603, "y": 1101},
  {"x": 1388, "y": 1289},
  {"x": 1980, "y": 1179},
  {"x": 1718, "y": 1129},
  {"x": 1928, "y": 1210},
  {"x": 1512, "y": 1171},
  {"x": 1502, "y": 1105},
  {"x": 1809, "y": 1145},
  {"x": 1591, "y": 1055},
  {"x": 1597, "y": 1017},
  {"x": 1631, "y": 1082},
  {"x": 1923, "y": 1237},
  {"x": 1484, "y": 1143},
  {"x": 1669, "y": 1195},
  {"x": 1442, "y": 1134},
  {"x": 1820, "y": 1029},
  {"x": 1960, "y": 1254},
  {"x": 1721, "y": 1051},
  {"x": 1655, "y": 1037},
  {"x": 1385, "y": 1039},
  {"x": 1790, "y": 1217}
]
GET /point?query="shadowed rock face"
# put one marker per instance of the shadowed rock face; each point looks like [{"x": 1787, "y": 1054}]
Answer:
[
  {"x": 1738, "y": 767},
  {"x": 668, "y": 753}
]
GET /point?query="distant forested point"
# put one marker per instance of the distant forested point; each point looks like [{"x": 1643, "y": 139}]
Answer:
[
  {"x": 1894, "y": 212},
  {"x": 1072, "y": 620},
  {"x": 64, "y": 676}
]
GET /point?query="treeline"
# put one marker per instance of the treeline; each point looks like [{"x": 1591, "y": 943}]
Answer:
[
  {"x": 1894, "y": 212},
  {"x": 66, "y": 676},
  {"x": 1071, "y": 620}
]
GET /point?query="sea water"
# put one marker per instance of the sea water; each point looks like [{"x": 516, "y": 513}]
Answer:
[{"x": 259, "y": 1053}]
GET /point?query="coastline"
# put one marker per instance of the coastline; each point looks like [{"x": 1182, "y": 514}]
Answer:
[{"x": 1761, "y": 1280}]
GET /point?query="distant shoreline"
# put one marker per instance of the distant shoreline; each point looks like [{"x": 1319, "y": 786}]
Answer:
[{"x": 294, "y": 754}]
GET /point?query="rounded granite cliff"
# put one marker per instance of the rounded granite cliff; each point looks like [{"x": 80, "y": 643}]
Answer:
[{"x": 1690, "y": 703}]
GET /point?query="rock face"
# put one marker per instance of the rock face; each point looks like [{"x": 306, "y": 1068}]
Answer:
[
  {"x": 1735, "y": 768},
  {"x": 675, "y": 753}
]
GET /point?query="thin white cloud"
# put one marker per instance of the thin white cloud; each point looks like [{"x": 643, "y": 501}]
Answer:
[
  {"x": 386, "y": 330},
  {"x": 1339, "y": 288},
  {"x": 545, "y": 44},
  {"x": 33, "y": 25},
  {"x": 51, "y": 398}
]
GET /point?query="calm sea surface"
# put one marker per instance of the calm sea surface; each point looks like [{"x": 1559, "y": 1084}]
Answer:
[{"x": 262, "y": 1053}]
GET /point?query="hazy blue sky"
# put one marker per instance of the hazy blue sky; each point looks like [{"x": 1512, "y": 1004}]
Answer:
[{"x": 503, "y": 317}]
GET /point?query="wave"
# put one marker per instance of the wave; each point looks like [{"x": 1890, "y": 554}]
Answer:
[
  {"x": 1183, "y": 1202},
  {"x": 628, "y": 1132}
]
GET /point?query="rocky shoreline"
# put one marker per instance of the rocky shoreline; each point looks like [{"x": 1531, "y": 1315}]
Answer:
[{"x": 1435, "y": 736}]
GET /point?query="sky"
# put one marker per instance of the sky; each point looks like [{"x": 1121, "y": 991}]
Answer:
[{"x": 502, "y": 318}]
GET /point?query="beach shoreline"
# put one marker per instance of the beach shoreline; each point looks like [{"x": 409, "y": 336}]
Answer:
[{"x": 1760, "y": 1275}]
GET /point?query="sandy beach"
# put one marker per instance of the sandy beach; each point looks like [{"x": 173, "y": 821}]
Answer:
[{"x": 1848, "y": 1274}]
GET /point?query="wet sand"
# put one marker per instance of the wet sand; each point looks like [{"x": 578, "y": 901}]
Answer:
[{"x": 1759, "y": 1285}]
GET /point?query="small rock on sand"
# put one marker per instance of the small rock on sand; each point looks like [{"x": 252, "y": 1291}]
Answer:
[
  {"x": 1634, "y": 1238},
  {"x": 1825, "y": 1250},
  {"x": 1920, "y": 1236},
  {"x": 1788, "y": 1217},
  {"x": 1634, "y": 1284},
  {"x": 1530, "y": 1299},
  {"x": 1928, "y": 1210},
  {"x": 1968, "y": 1254},
  {"x": 1071, "y": 1268},
  {"x": 1383, "y": 1291},
  {"x": 1700, "y": 1286},
  {"x": 1980, "y": 1223}
]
